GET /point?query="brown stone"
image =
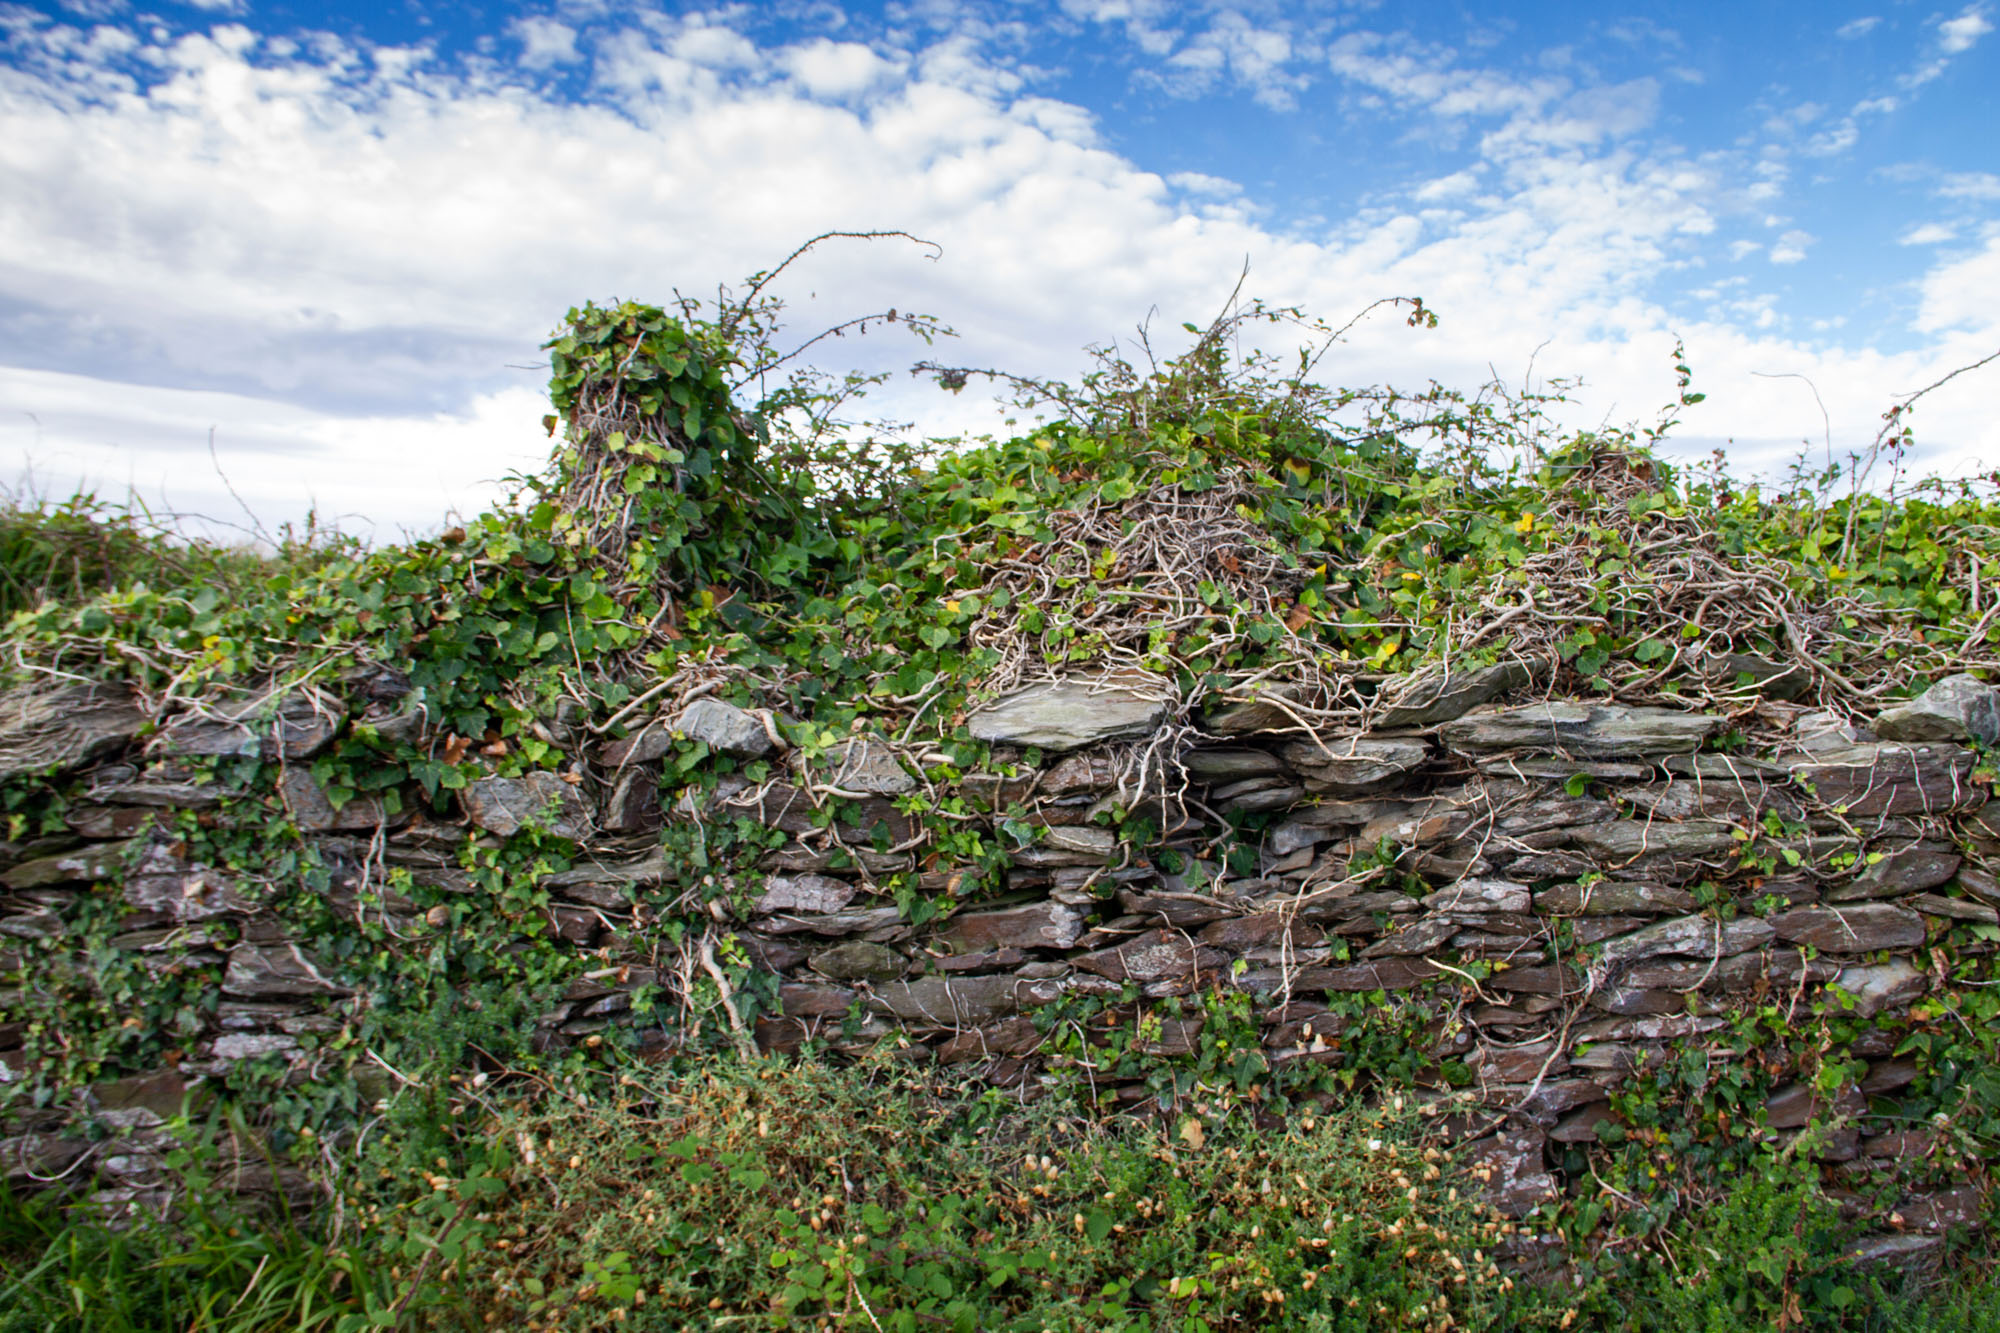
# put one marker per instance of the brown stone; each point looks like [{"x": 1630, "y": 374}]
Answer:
[
  {"x": 953, "y": 1002},
  {"x": 1511, "y": 1172},
  {"x": 1556, "y": 980},
  {"x": 1481, "y": 895},
  {"x": 1381, "y": 974},
  {"x": 1518, "y": 1064},
  {"x": 1858, "y": 928},
  {"x": 1889, "y": 778},
  {"x": 1012, "y": 1036},
  {"x": 1910, "y": 868},
  {"x": 1697, "y": 936},
  {"x": 1614, "y": 898},
  {"x": 1043, "y": 925},
  {"x": 257, "y": 970},
  {"x": 1154, "y": 956}
]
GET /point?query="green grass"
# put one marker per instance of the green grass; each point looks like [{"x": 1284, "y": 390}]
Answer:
[
  {"x": 771, "y": 1195},
  {"x": 213, "y": 1268}
]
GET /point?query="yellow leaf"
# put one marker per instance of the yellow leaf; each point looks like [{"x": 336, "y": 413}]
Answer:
[{"x": 1526, "y": 525}]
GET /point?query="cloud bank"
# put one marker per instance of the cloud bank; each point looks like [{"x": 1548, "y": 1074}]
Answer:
[{"x": 342, "y": 258}]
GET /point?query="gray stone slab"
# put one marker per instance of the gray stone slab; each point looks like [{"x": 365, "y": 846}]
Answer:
[{"x": 1069, "y": 714}]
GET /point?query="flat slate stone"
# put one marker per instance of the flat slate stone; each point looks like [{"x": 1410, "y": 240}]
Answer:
[
  {"x": 867, "y": 764},
  {"x": 1230, "y": 765},
  {"x": 101, "y": 861},
  {"x": 257, "y": 970},
  {"x": 1613, "y": 898},
  {"x": 1625, "y": 839},
  {"x": 1696, "y": 936},
  {"x": 314, "y": 813},
  {"x": 1348, "y": 765},
  {"x": 163, "y": 786},
  {"x": 1744, "y": 971},
  {"x": 804, "y": 893},
  {"x": 1481, "y": 895},
  {"x": 724, "y": 728},
  {"x": 860, "y": 960},
  {"x": 1586, "y": 731},
  {"x": 1512, "y": 1171},
  {"x": 1957, "y": 708},
  {"x": 505, "y": 805},
  {"x": 1427, "y": 698},
  {"x": 641, "y": 747},
  {"x": 1855, "y": 928},
  {"x": 647, "y": 869},
  {"x": 1068, "y": 714},
  {"x": 1043, "y": 925},
  {"x": 1881, "y": 986},
  {"x": 1911, "y": 868},
  {"x": 952, "y": 1002},
  {"x": 295, "y": 724},
  {"x": 1154, "y": 956},
  {"x": 1889, "y": 778},
  {"x": 42, "y": 729},
  {"x": 1382, "y": 974},
  {"x": 856, "y": 921}
]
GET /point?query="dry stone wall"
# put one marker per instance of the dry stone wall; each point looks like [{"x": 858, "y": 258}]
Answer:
[{"x": 1555, "y": 897}]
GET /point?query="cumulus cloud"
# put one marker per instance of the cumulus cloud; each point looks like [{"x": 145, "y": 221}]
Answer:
[
  {"x": 1791, "y": 247},
  {"x": 836, "y": 69},
  {"x": 1958, "y": 34},
  {"x": 1954, "y": 37},
  {"x": 544, "y": 42},
  {"x": 345, "y": 259}
]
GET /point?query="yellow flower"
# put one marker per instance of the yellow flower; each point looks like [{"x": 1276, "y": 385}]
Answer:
[{"x": 1526, "y": 525}]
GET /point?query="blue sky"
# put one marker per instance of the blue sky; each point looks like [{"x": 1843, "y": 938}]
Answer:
[{"x": 333, "y": 235}]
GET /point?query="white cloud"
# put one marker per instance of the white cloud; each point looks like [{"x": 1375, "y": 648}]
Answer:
[
  {"x": 337, "y": 258},
  {"x": 1970, "y": 185},
  {"x": 1428, "y": 79},
  {"x": 1958, "y": 34},
  {"x": 1195, "y": 182},
  {"x": 1791, "y": 247},
  {"x": 1928, "y": 233},
  {"x": 544, "y": 42},
  {"x": 1231, "y": 50},
  {"x": 1960, "y": 295},
  {"x": 1860, "y": 27},
  {"x": 836, "y": 69},
  {"x": 1456, "y": 185},
  {"x": 1955, "y": 36}
]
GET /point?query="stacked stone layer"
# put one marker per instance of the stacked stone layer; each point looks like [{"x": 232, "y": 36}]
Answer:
[{"x": 1571, "y": 887}]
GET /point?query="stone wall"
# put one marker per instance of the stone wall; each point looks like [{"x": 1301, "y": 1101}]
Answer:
[{"x": 1563, "y": 892}]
